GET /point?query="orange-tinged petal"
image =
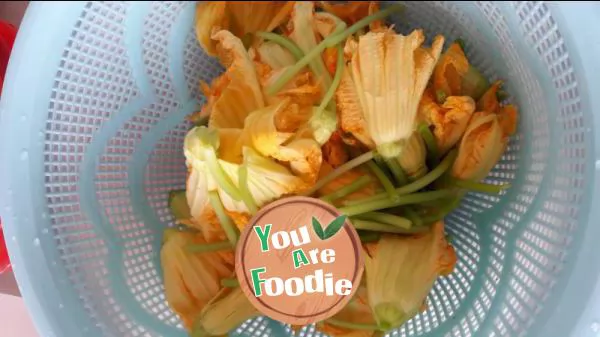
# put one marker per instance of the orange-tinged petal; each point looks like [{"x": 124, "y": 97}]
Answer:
[
  {"x": 390, "y": 72},
  {"x": 350, "y": 112},
  {"x": 356, "y": 311},
  {"x": 253, "y": 16},
  {"x": 350, "y": 12},
  {"x": 330, "y": 59},
  {"x": 303, "y": 155},
  {"x": 240, "y": 219},
  {"x": 481, "y": 146},
  {"x": 190, "y": 280},
  {"x": 397, "y": 294},
  {"x": 448, "y": 74},
  {"x": 334, "y": 151},
  {"x": 292, "y": 118},
  {"x": 451, "y": 123},
  {"x": 237, "y": 92},
  {"x": 508, "y": 119},
  {"x": 210, "y": 16},
  {"x": 326, "y": 23},
  {"x": 489, "y": 100}
]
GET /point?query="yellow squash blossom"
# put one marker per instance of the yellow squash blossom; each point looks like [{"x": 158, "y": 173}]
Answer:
[
  {"x": 240, "y": 18},
  {"x": 397, "y": 294},
  {"x": 449, "y": 119},
  {"x": 191, "y": 280},
  {"x": 236, "y": 92},
  {"x": 226, "y": 311},
  {"x": 302, "y": 154},
  {"x": 390, "y": 72},
  {"x": 481, "y": 147},
  {"x": 351, "y": 11},
  {"x": 486, "y": 137},
  {"x": 334, "y": 151},
  {"x": 413, "y": 156},
  {"x": 450, "y": 70},
  {"x": 267, "y": 180},
  {"x": 454, "y": 76},
  {"x": 302, "y": 92},
  {"x": 303, "y": 32},
  {"x": 350, "y": 115},
  {"x": 357, "y": 311}
]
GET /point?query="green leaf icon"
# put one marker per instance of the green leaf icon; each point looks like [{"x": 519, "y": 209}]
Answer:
[
  {"x": 335, "y": 226},
  {"x": 318, "y": 229}
]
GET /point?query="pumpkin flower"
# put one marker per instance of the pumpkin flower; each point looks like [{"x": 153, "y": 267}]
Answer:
[
  {"x": 357, "y": 312},
  {"x": 486, "y": 137},
  {"x": 190, "y": 279},
  {"x": 303, "y": 155},
  {"x": 240, "y": 18},
  {"x": 303, "y": 31},
  {"x": 351, "y": 11},
  {"x": 454, "y": 76},
  {"x": 390, "y": 73},
  {"x": 302, "y": 92},
  {"x": 449, "y": 119},
  {"x": 226, "y": 311},
  {"x": 350, "y": 115},
  {"x": 236, "y": 92},
  {"x": 216, "y": 168},
  {"x": 413, "y": 156},
  {"x": 481, "y": 147},
  {"x": 397, "y": 294}
]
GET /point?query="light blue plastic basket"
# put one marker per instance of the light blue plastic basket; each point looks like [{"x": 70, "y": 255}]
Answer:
[{"x": 91, "y": 132}]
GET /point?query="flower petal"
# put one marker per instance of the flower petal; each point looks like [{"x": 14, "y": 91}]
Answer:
[
  {"x": 237, "y": 92},
  {"x": 390, "y": 72},
  {"x": 350, "y": 112},
  {"x": 210, "y": 16},
  {"x": 397, "y": 294},
  {"x": 450, "y": 70},
  {"x": 480, "y": 148}
]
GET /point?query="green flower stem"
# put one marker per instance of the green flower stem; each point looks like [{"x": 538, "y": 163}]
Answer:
[
  {"x": 298, "y": 54},
  {"x": 351, "y": 325},
  {"x": 283, "y": 41},
  {"x": 416, "y": 185},
  {"x": 413, "y": 216},
  {"x": 366, "y": 237},
  {"x": 432, "y": 150},
  {"x": 367, "y": 225},
  {"x": 230, "y": 283},
  {"x": 337, "y": 78},
  {"x": 348, "y": 189},
  {"x": 479, "y": 187},
  {"x": 397, "y": 171},
  {"x": 387, "y": 184},
  {"x": 220, "y": 176},
  {"x": 414, "y": 198},
  {"x": 245, "y": 190},
  {"x": 443, "y": 211},
  {"x": 209, "y": 247},
  {"x": 355, "y": 162},
  {"x": 431, "y": 176},
  {"x": 386, "y": 218},
  {"x": 226, "y": 222},
  {"x": 330, "y": 41}
]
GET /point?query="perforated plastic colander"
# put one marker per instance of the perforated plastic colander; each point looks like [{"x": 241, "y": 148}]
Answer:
[{"x": 91, "y": 132}]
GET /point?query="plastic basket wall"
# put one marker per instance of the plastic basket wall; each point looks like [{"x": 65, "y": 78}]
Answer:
[{"x": 91, "y": 134}]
